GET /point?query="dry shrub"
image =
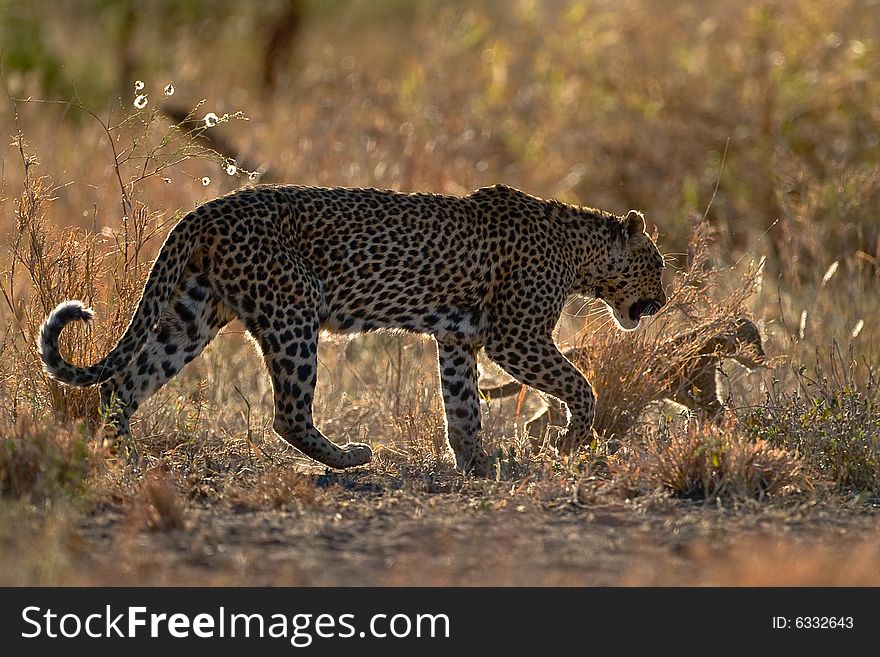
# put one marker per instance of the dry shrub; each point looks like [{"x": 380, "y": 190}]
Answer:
[
  {"x": 42, "y": 461},
  {"x": 832, "y": 419},
  {"x": 56, "y": 264},
  {"x": 629, "y": 370},
  {"x": 705, "y": 461}
]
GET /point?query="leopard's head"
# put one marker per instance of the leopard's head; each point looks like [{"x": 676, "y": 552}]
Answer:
[
  {"x": 750, "y": 348},
  {"x": 632, "y": 286}
]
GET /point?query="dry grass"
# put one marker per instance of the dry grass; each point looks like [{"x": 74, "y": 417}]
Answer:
[
  {"x": 831, "y": 420},
  {"x": 584, "y": 101},
  {"x": 275, "y": 488},
  {"x": 708, "y": 462},
  {"x": 39, "y": 462}
]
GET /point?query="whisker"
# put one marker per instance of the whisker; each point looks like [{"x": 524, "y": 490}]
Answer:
[
  {"x": 592, "y": 327},
  {"x": 593, "y": 317},
  {"x": 577, "y": 313},
  {"x": 603, "y": 324},
  {"x": 598, "y": 310},
  {"x": 595, "y": 310}
]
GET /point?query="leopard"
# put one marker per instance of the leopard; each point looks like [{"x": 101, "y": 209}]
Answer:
[
  {"x": 490, "y": 271},
  {"x": 694, "y": 385},
  {"x": 691, "y": 380}
]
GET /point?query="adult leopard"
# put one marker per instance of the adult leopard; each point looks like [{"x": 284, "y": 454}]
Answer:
[{"x": 488, "y": 270}]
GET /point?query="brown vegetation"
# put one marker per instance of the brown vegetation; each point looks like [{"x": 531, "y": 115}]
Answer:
[{"x": 751, "y": 141}]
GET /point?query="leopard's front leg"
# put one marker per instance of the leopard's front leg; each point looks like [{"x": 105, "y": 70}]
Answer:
[{"x": 537, "y": 362}]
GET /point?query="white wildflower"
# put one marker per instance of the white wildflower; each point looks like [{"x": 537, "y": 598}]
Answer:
[
  {"x": 211, "y": 120},
  {"x": 138, "y": 85},
  {"x": 759, "y": 275},
  {"x": 252, "y": 176},
  {"x": 829, "y": 273},
  {"x": 140, "y": 101},
  {"x": 206, "y": 181},
  {"x": 169, "y": 89},
  {"x": 231, "y": 169}
]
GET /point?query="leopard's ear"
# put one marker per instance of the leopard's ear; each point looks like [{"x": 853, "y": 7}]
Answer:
[{"x": 635, "y": 223}]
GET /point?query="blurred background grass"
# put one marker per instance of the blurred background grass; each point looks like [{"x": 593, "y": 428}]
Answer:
[
  {"x": 762, "y": 115},
  {"x": 615, "y": 104}
]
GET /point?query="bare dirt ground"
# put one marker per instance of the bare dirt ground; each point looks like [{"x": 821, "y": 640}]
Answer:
[{"x": 358, "y": 530}]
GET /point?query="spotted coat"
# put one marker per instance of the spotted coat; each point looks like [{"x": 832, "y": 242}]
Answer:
[{"x": 490, "y": 270}]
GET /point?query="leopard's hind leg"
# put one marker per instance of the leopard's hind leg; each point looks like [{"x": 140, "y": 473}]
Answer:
[
  {"x": 189, "y": 322},
  {"x": 279, "y": 302}
]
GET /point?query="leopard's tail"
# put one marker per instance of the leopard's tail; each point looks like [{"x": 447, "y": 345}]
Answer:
[
  {"x": 161, "y": 283},
  {"x": 504, "y": 390}
]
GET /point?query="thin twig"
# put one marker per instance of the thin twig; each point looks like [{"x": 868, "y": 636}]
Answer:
[{"x": 718, "y": 179}]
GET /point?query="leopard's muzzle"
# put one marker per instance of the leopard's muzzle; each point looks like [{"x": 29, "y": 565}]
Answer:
[{"x": 645, "y": 307}]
